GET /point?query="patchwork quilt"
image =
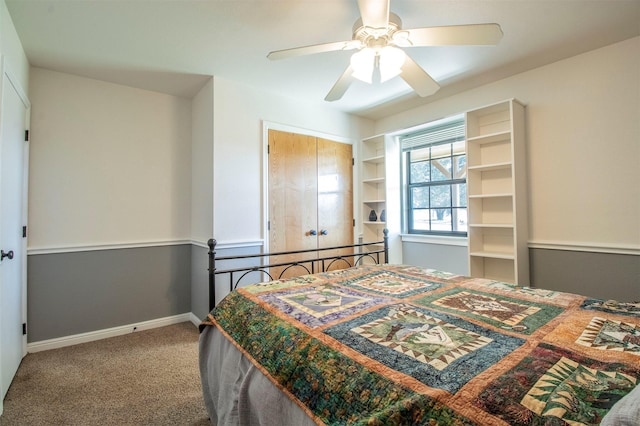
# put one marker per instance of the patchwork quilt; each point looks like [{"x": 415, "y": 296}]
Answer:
[{"x": 397, "y": 344}]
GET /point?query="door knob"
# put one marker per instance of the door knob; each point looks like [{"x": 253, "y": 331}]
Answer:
[
  {"x": 323, "y": 232},
  {"x": 4, "y": 254},
  {"x": 313, "y": 232}
]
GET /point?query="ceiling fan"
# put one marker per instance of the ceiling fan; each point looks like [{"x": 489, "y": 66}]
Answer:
[{"x": 379, "y": 38}]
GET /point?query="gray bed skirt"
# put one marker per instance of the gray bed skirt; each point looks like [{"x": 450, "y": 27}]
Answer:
[{"x": 236, "y": 392}]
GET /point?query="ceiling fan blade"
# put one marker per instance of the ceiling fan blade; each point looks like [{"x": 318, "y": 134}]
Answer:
[
  {"x": 374, "y": 13},
  {"x": 341, "y": 86},
  {"x": 418, "y": 79},
  {"x": 473, "y": 35},
  {"x": 309, "y": 50}
]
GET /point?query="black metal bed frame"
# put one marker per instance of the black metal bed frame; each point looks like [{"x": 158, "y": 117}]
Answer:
[{"x": 309, "y": 264}]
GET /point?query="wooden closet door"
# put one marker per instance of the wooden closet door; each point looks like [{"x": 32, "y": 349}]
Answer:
[
  {"x": 310, "y": 191},
  {"x": 293, "y": 196},
  {"x": 335, "y": 197}
]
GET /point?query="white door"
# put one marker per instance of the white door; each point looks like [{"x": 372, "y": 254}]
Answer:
[{"x": 13, "y": 115}]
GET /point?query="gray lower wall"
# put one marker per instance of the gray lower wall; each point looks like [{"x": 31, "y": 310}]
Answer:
[
  {"x": 72, "y": 293},
  {"x": 199, "y": 281},
  {"x": 436, "y": 256},
  {"x": 78, "y": 292},
  {"x": 223, "y": 281},
  {"x": 200, "y": 275},
  {"x": 597, "y": 275}
]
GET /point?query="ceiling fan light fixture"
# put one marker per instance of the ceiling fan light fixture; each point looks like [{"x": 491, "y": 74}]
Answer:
[
  {"x": 390, "y": 62},
  {"x": 362, "y": 63}
]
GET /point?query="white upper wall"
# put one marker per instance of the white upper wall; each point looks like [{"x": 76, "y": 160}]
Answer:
[
  {"x": 202, "y": 164},
  {"x": 115, "y": 165},
  {"x": 109, "y": 164},
  {"x": 583, "y": 143},
  {"x": 240, "y": 113}
]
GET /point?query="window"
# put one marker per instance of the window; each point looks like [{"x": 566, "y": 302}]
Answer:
[{"x": 434, "y": 169}]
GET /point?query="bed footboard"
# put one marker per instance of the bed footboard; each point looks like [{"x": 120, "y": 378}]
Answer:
[{"x": 312, "y": 261}]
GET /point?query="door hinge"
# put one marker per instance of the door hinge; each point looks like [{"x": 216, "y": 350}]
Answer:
[
  {"x": 268, "y": 149},
  {"x": 353, "y": 161},
  {"x": 354, "y": 222},
  {"x": 24, "y": 328},
  {"x": 24, "y": 232},
  {"x": 268, "y": 225},
  {"x": 26, "y": 135}
]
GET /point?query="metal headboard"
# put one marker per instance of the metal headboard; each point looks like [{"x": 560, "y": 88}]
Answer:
[{"x": 318, "y": 263}]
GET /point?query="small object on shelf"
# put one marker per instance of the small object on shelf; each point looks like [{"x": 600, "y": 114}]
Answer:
[
  {"x": 373, "y": 216},
  {"x": 383, "y": 215}
]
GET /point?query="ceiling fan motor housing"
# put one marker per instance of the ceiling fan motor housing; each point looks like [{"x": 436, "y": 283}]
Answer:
[{"x": 376, "y": 37}]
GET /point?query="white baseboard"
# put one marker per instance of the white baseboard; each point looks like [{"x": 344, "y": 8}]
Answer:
[
  {"x": 194, "y": 319},
  {"x": 75, "y": 339}
]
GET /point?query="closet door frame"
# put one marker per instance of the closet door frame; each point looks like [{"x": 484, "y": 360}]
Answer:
[{"x": 266, "y": 126}]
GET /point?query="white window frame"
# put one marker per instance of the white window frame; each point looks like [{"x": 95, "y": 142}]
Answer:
[{"x": 449, "y": 131}]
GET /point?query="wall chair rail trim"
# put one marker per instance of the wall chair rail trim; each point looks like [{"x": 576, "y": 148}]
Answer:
[
  {"x": 222, "y": 245},
  {"x": 109, "y": 246},
  {"x": 630, "y": 249},
  {"x": 140, "y": 244}
]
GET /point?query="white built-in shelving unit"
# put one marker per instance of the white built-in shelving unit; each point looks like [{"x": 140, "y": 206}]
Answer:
[
  {"x": 497, "y": 194},
  {"x": 373, "y": 187}
]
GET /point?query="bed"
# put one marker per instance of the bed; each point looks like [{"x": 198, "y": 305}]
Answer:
[{"x": 382, "y": 344}]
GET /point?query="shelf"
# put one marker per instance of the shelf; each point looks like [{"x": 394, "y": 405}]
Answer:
[
  {"x": 372, "y": 150},
  {"x": 374, "y": 160},
  {"x": 493, "y": 166},
  {"x": 493, "y": 268},
  {"x": 493, "y": 255},
  {"x": 481, "y": 196},
  {"x": 490, "y": 210},
  {"x": 490, "y": 225},
  {"x": 373, "y": 171},
  {"x": 374, "y": 140},
  {"x": 491, "y": 121},
  {"x": 375, "y": 181},
  {"x": 490, "y": 138},
  {"x": 494, "y": 181},
  {"x": 373, "y": 201},
  {"x": 368, "y": 222},
  {"x": 495, "y": 242},
  {"x": 488, "y": 153}
]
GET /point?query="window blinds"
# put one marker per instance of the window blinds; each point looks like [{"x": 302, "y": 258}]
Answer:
[{"x": 449, "y": 132}]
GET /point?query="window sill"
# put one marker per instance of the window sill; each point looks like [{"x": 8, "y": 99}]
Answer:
[{"x": 435, "y": 239}]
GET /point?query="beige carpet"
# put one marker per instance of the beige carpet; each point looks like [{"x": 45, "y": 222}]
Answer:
[{"x": 144, "y": 378}]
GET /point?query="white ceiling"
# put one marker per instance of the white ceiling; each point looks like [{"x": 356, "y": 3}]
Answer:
[{"x": 172, "y": 46}]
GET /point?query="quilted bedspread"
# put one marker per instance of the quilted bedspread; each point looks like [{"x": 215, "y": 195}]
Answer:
[{"x": 405, "y": 345}]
